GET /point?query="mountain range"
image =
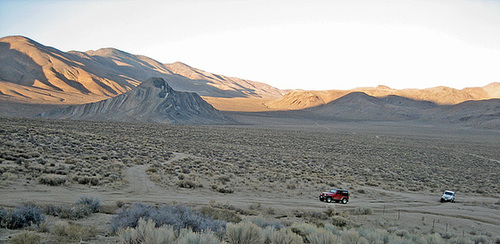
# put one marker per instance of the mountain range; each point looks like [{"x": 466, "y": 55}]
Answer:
[
  {"x": 33, "y": 73},
  {"x": 300, "y": 99},
  {"x": 35, "y": 78}
]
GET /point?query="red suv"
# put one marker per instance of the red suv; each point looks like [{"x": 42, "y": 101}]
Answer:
[{"x": 335, "y": 195}]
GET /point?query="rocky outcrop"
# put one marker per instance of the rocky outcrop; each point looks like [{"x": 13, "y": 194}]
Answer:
[{"x": 152, "y": 101}]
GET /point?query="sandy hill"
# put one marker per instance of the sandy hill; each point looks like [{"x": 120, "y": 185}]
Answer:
[
  {"x": 440, "y": 95},
  {"x": 152, "y": 101},
  {"x": 33, "y": 73}
]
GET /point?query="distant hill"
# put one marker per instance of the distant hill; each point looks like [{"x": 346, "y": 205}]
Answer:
[
  {"x": 152, "y": 101},
  {"x": 479, "y": 114},
  {"x": 33, "y": 73},
  {"x": 358, "y": 106},
  {"x": 299, "y": 99}
]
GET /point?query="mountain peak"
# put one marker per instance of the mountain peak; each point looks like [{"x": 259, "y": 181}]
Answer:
[
  {"x": 17, "y": 39},
  {"x": 107, "y": 52},
  {"x": 155, "y": 82},
  {"x": 180, "y": 64},
  {"x": 383, "y": 87}
]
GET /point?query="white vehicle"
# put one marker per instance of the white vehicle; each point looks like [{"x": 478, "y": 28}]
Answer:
[{"x": 448, "y": 196}]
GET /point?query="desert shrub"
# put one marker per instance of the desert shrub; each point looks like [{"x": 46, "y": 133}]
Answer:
[
  {"x": 177, "y": 216},
  {"x": 352, "y": 237},
  {"x": 271, "y": 211},
  {"x": 377, "y": 236},
  {"x": 224, "y": 189},
  {"x": 322, "y": 236},
  {"x": 188, "y": 236},
  {"x": 25, "y": 215},
  {"x": 4, "y": 217},
  {"x": 224, "y": 178},
  {"x": 435, "y": 239},
  {"x": 266, "y": 234},
  {"x": 362, "y": 211},
  {"x": 146, "y": 232},
  {"x": 414, "y": 238},
  {"x": 460, "y": 240},
  {"x": 26, "y": 237},
  {"x": 339, "y": 221},
  {"x": 43, "y": 227},
  {"x": 83, "y": 180},
  {"x": 184, "y": 217},
  {"x": 404, "y": 241},
  {"x": 255, "y": 206},
  {"x": 51, "y": 209},
  {"x": 244, "y": 232},
  {"x": 119, "y": 203},
  {"x": 95, "y": 181},
  {"x": 330, "y": 211},
  {"x": 128, "y": 217},
  {"x": 263, "y": 223},
  {"x": 93, "y": 203},
  {"x": 401, "y": 232},
  {"x": 285, "y": 236},
  {"x": 447, "y": 236},
  {"x": 75, "y": 212},
  {"x": 52, "y": 179},
  {"x": 69, "y": 232},
  {"x": 221, "y": 214},
  {"x": 311, "y": 215},
  {"x": 186, "y": 184},
  {"x": 291, "y": 186},
  {"x": 333, "y": 229},
  {"x": 303, "y": 229},
  {"x": 478, "y": 240}
]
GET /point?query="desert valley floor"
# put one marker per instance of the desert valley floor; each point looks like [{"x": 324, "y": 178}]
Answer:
[{"x": 398, "y": 172}]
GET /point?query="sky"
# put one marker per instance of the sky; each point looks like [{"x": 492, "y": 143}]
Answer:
[{"x": 289, "y": 44}]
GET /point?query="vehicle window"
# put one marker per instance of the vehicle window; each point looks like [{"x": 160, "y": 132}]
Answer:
[{"x": 448, "y": 193}]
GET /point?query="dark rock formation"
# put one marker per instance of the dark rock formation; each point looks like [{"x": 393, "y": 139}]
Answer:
[{"x": 152, "y": 101}]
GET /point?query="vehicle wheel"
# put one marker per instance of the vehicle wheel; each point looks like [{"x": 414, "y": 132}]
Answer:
[
  {"x": 442, "y": 200},
  {"x": 344, "y": 200},
  {"x": 452, "y": 200},
  {"x": 329, "y": 200}
]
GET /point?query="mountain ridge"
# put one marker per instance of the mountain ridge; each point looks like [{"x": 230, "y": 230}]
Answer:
[
  {"x": 301, "y": 99},
  {"x": 31, "y": 73},
  {"x": 40, "y": 74}
]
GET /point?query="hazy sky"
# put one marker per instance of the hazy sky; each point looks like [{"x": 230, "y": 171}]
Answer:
[{"x": 309, "y": 44}]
